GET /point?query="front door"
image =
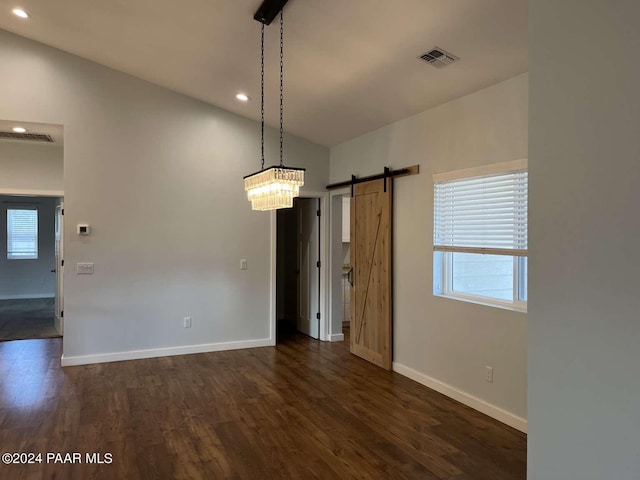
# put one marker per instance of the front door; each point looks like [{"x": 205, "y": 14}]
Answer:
[{"x": 371, "y": 314}]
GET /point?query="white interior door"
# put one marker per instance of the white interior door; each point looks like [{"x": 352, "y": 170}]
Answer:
[
  {"x": 59, "y": 249},
  {"x": 309, "y": 251}
]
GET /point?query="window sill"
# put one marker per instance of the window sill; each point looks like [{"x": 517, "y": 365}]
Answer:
[{"x": 485, "y": 303}]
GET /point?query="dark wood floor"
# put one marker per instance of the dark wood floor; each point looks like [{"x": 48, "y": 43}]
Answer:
[{"x": 302, "y": 410}]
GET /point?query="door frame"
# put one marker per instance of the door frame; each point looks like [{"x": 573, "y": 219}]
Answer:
[
  {"x": 41, "y": 193},
  {"x": 324, "y": 268},
  {"x": 335, "y": 289},
  {"x": 59, "y": 255}
]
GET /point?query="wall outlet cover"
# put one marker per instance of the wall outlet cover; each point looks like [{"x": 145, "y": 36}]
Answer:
[{"x": 84, "y": 268}]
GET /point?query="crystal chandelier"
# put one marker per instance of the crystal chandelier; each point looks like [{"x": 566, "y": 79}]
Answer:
[{"x": 274, "y": 187}]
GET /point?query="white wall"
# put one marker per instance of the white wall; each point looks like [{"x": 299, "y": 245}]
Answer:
[
  {"x": 442, "y": 342},
  {"x": 158, "y": 176},
  {"x": 584, "y": 174},
  {"x": 30, "y": 166},
  {"x": 29, "y": 278}
]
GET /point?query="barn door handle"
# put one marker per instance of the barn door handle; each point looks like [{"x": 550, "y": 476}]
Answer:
[{"x": 349, "y": 276}]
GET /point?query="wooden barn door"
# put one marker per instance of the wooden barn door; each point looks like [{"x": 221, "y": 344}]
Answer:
[{"x": 371, "y": 321}]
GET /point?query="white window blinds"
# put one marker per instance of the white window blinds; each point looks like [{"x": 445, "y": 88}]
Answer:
[
  {"x": 482, "y": 210},
  {"x": 22, "y": 233}
]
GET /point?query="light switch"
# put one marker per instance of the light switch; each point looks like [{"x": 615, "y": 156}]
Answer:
[
  {"x": 84, "y": 268},
  {"x": 243, "y": 264}
]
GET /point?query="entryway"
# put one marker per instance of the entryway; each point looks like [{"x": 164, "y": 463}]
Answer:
[
  {"x": 30, "y": 267},
  {"x": 299, "y": 275},
  {"x": 31, "y": 226}
]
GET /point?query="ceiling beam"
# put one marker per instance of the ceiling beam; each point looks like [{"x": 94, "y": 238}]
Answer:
[{"x": 268, "y": 10}]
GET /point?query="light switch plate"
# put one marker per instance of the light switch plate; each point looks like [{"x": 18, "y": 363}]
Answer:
[
  {"x": 84, "y": 268},
  {"x": 243, "y": 264}
]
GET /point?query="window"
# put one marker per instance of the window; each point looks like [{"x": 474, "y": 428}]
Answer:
[
  {"x": 22, "y": 233},
  {"x": 480, "y": 235}
]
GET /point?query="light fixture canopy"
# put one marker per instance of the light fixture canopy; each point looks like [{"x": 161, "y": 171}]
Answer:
[
  {"x": 19, "y": 129},
  {"x": 273, "y": 187},
  {"x": 18, "y": 12}
]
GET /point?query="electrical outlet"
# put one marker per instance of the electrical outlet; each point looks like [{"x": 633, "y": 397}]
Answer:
[
  {"x": 489, "y": 374},
  {"x": 187, "y": 322}
]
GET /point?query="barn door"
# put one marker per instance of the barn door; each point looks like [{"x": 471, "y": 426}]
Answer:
[{"x": 371, "y": 320}]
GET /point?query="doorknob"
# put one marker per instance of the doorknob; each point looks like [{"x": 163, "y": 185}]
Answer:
[{"x": 53, "y": 271}]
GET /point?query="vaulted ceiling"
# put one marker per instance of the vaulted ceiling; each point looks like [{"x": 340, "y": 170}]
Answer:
[{"x": 351, "y": 66}]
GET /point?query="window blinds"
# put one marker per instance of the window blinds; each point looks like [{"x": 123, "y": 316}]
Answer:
[
  {"x": 22, "y": 233},
  {"x": 481, "y": 214}
]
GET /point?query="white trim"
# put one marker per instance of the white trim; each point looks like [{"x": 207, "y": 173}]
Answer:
[
  {"x": 272, "y": 276},
  {"x": 518, "y": 306},
  {"x": 329, "y": 319},
  {"x": 481, "y": 171},
  {"x": 447, "y": 288},
  {"x": 323, "y": 331},
  {"x": 476, "y": 403},
  {"x": 336, "y": 337},
  {"x": 27, "y": 296},
  {"x": 163, "y": 352},
  {"x": 31, "y": 193}
]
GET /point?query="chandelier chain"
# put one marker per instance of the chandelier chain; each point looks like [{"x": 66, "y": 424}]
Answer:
[
  {"x": 281, "y": 86},
  {"x": 262, "y": 96}
]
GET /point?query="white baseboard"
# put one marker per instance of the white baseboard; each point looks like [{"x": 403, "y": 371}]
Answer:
[
  {"x": 337, "y": 337},
  {"x": 163, "y": 352},
  {"x": 498, "y": 413},
  {"x": 27, "y": 296}
]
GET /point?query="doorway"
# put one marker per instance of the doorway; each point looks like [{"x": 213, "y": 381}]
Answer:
[
  {"x": 31, "y": 302},
  {"x": 361, "y": 279},
  {"x": 31, "y": 230},
  {"x": 299, "y": 269}
]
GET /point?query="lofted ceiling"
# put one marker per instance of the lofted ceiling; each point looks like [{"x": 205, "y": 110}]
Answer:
[{"x": 351, "y": 66}]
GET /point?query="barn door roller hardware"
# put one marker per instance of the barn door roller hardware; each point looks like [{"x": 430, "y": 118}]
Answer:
[{"x": 388, "y": 173}]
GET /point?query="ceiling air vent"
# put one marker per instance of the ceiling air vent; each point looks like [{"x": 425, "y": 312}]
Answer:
[
  {"x": 35, "y": 137},
  {"x": 439, "y": 58}
]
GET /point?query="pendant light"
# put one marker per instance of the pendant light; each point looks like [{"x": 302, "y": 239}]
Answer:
[{"x": 274, "y": 187}]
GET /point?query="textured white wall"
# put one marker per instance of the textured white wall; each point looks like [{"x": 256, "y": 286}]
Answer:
[
  {"x": 584, "y": 174},
  {"x": 159, "y": 178},
  {"x": 30, "y": 166},
  {"x": 447, "y": 340}
]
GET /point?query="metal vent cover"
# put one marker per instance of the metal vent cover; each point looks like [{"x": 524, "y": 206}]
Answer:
[
  {"x": 35, "y": 137},
  {"x": 439, "y": 57}
]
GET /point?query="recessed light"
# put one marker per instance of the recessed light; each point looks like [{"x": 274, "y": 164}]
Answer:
[
  {"x": 19, "y": 129},
  {"x": 243, "y": 97},
  {"x": 18, "y": 12}
]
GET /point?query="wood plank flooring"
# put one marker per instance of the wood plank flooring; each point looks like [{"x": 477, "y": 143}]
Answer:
[{"x": 302, "y": 410}]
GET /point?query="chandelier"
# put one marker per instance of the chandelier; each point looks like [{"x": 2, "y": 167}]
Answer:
[{"x": 273, "y": 187}]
